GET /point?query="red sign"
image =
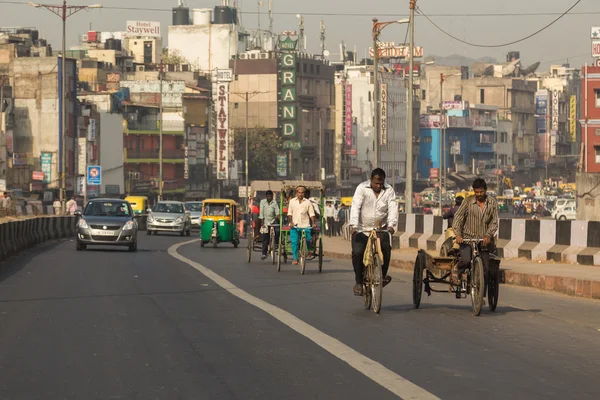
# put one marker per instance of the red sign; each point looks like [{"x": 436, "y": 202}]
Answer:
[
  {"x": 433, "y": 173},
  {"x": 37, "y": 176},
  {"x": 348, "y": 117},
  {"x": 350, "y": 152}
]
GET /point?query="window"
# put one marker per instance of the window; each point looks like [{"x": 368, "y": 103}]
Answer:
[
  {"x": 369, "y": 96},
  {"x": 426, "y": 139},
  {"x": 503, "y": 137},
  {"x": 423, "y": 93},
  {"x": 312, "y": 68},
  {"x": 482, "y": 96},
  {"x": 597, "y": 132},
  {"x": 427, "y": 162},
  {"x": 597, "y": 97},
  {"x": 304, "y": 68},
  {"x": 297, "y": 67},
  {"x": 597, "y": 153}
]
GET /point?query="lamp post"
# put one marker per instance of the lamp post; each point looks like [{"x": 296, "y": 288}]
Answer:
[
  {"x": 63, "y": 11},
  {"x": 409, "y": 119},
  {"x": 377, "y": 28}
]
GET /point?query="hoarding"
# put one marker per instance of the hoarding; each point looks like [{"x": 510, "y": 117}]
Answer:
[
  {"x": 383, "y": 96},
  {"x": 429, "y": 121},
  {"x": 221, "y": 99},
  {"x": 46, "y": 163},
  {"x": 81, "y": 155},
  {"x": 389, "y": 50},
  {"x": 573, "y": 118},
  {"x": 282, "y": 165},
  {"x": 37, "y": 176},
  {"x": 287, "y": 99},
  {"x": 91, "y": 134},
  {"x": 541, "y": 110},
  {"x": 595, "y": 32},
  {"x": 555, "y": 100},
  {"x": 348, "y": 117},
  {"x": 143, "y": 28},
  {"x": 596, "y": 48}
]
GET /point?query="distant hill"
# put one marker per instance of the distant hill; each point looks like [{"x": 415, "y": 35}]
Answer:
[{"x": 455, "y": 59}]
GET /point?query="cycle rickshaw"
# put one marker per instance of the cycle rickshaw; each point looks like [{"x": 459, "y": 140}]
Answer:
[
  {"x": 475, "y": 281},
  {"x": 254, "y": 239},
  {"x": 307, "y": 250}
]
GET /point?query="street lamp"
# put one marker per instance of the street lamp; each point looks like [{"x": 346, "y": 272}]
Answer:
[
  {"x": 377, "y": 28},
  {"x": 63, "y": 11},
  {"x": 320, "y": 142}
]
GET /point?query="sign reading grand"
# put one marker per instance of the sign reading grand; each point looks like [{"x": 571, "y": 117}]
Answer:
[
  {"x": 143, "y": 28},
  {"x": 287, "y": 101}
]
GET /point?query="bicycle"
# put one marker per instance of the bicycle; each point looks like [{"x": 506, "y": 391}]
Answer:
[{"x": 373, "y": 273}]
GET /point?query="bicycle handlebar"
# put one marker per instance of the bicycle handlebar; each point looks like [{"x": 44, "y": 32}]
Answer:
[{"x": 472, "y": 240}]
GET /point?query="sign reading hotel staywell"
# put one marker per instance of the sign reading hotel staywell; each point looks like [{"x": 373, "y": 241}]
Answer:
[
  {"x": 143, "y": 28},
  {"x": 221, "y": 99}
]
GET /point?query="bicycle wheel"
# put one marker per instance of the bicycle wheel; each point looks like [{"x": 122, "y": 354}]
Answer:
[
  {"x": 320, "y": 250},
  {"x": 250, "y": 241},
  {"x": 272, "y": 245},
  {"x": 417, "y": 282},
  {"x": 493, "y": 290},
  {"x": 477, "y": 285},
  {"x": 377, "y": 283},
  {"x": 302, "y": 254},
  {"x": 367, "y": 288},
  {"x": 280, "y": 251}
]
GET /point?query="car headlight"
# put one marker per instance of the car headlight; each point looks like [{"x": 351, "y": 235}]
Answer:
[
  {"x": 150, "y": 218},
  {"x": 128, "y": 226},
  {"x": 179, "y": 220},
  {"x": 82, "y": 224}
]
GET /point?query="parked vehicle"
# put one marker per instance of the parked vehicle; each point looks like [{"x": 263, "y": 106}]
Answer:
[
  {"x": 169, "y": 216},
  {"x": 195, "y": 210},
  {"x": 566, "y": 213}
]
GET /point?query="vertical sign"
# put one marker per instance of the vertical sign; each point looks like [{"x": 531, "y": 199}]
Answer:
[
  {"x": 81, "y": 156},
  {"x": 287, "y": 100},
  {"x": 383, "y": 110},
  {"x": 92, "y": 130},
  {"x": 186, "y": 165},
  {"x": 573, "y": 119},
  {"x": 46, "y": 162},
  {"x": 81, "y": 186},
  {"x": 281, "y": 165},
  {"x": 555, "y": 96},
  {"x": 9, "y": 141},
  {"x": 222, "y": 104},
  {"x": 348, "y": 116}
]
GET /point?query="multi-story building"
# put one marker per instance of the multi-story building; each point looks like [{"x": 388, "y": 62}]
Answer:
[{"x": 590, "y": 118}]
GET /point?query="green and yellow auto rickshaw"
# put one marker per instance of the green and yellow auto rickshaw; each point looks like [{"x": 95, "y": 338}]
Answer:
[
  {"x": 504, "y": 204},
  {"x": 219, "y": 222}
]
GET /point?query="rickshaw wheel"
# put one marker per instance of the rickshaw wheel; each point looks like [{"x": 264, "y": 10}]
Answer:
[
  {"x": 477, "y": 285},
  {"x": 250, "y": 240},
  {"x": 493, "y": 291},
  {"x": 320, "y": 254},
  {"x": 417, "y": 282},
  {"x": 279, "y": 253},
  {"x": 272, "y": 245},
  {"x": 303, "y": 251}
]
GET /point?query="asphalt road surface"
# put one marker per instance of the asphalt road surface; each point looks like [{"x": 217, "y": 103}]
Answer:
[{"x": 108, "y": 324}]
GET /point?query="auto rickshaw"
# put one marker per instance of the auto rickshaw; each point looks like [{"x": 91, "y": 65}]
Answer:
[
  {"x": 503, "y": 204},
  {"x": 139, "y": 204},
  {"x": 219, "y": 218}
]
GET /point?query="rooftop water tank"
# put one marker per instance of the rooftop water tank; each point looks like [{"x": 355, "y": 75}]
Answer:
[
  {"x": 223, "y": 15},
  {"x": 181, "y": 16},
  {"x": 201, "y": 16}
]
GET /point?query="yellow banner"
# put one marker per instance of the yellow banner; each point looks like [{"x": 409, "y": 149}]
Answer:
[{"x": 573, "y": 119}]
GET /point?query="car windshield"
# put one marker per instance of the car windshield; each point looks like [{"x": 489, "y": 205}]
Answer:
[
  {"x": 171, "y": 208},
  {"x": 107, "y": 209},
  {"x": 193, "y": 207},
  {"x": 217, "y": 210}
]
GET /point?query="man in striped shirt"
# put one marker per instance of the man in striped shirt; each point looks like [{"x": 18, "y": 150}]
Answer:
[{"x": 477, "y": 218}]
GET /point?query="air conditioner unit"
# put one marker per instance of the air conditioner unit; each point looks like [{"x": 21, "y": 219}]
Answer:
[
  {"x": 243, "y": 56},
  {"x": 140, "y": 68},
  {"x": 264, "y": 56},
  {"x": 253, "y": 56},
  {"x": 84, "y": 38}
]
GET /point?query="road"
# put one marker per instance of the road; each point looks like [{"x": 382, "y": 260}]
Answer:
[{"x": 108, "y": 324}]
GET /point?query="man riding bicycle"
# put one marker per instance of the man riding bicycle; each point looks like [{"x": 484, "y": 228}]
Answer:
[
  {"x": 269, "y": 215},
  {"x": 301, "y": 217},
  {"x": 477, "y": 218},
  {"x": 374, "y": 202}
]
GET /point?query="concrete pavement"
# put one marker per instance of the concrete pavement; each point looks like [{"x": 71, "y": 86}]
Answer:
[
  {"x": 110, "y": 324},
  {"x": 570, "y": 279}
]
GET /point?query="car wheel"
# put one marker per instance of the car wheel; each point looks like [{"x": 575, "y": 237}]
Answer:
[{"x": 133, "y": 247}]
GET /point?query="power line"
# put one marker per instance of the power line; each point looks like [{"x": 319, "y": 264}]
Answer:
[
  {"x": 365, "y": 14},
  {"x": 503, "y": 44}
]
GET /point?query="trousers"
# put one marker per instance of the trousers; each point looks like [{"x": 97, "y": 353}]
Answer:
[
  {"x": 266, "y": 237},
  {"x": 359, "y": 245},
  {"x": 295, "y": 235}
]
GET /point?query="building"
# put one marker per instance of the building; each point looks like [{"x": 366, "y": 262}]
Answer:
[
  {"x": 204, "y": 40},
  {"x": 590, "y": 119}
]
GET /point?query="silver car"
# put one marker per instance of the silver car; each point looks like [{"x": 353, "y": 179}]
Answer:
[
  {"x": 195, "y": 210},
  {"x": 169, "y": 216},
  {"x": 107, "y": 222}
]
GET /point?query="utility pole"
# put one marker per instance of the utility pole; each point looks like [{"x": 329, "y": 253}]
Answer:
[
  {"x": 409, "y": 138},
  {"x": 376, "y": 92},
  {"x": 63, "y": 12},
  {"x": 321, "y": 177},
  {"x": 160, "y": 135},
  {"x": 441, "y": 137}
]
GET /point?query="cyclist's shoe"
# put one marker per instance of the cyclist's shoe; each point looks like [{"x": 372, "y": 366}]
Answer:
[
  {"x": 263, "y": 257},
  {"x": 358, "y": 289},
  {"x": 387, "y": 279},
  {"x": 295, "y": 262}
]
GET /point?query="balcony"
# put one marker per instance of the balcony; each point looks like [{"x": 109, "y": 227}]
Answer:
[
  {"x": 152, "y": 127},
  {"x": 142, "y": 156}
]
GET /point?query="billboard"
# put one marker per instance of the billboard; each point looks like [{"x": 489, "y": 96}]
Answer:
[
  {"x": 429, "y": 121},
  {"x": 282, "y": 165},
  {"x": 46, "y": 163},
  {"x": 541, "y": 111},
  {"x": 383, "y": 96},
  {"x": 573, "y": 118},
  {"x": 596, "y": 48},
  {"x": 390, "y": 50},
  {"x": 287, "y": 99},
  {"x": 81, "y": 156},
  {"x": 348, "y": 117},
  {"x": 143, "y": 28},
  {"x": 595, "y": 32},
  {"x": 555, "y": 99},
  {"x": 221, "y": 99}
]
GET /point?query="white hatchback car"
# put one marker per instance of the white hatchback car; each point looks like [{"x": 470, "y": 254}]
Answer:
[{"x": 565, "y": 213}]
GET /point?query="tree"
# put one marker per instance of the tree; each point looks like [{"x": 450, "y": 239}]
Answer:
[
  {"x": 263, "y": 146},
  {"x": 173, "y": 57}
]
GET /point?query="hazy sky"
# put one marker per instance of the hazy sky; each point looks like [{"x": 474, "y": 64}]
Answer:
[{"x": 568, "y": 38}]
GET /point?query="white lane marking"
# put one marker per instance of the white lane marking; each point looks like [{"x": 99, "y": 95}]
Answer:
[{"x": 379, "y": 374}]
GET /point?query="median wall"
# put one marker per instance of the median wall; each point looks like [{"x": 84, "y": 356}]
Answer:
[{"x": 21, "y": 234}]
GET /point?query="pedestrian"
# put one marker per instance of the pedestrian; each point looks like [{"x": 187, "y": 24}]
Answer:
[
  {"x": 336, "y": 222},
  {"x": 330, "y": 218},
  {"x": 5, "y": 204},
  {"x": 72, "y": 206},
  {"x": 57, "y": 207},
  {"x": 341, "y": 218}
]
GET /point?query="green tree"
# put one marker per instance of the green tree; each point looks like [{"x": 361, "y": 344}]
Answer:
[
  {"x": 173, "y": 57},
  {"x": 263, "y": 146}
]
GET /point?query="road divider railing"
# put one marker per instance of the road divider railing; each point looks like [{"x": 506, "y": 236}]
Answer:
[{"x": 21, "y": 234}]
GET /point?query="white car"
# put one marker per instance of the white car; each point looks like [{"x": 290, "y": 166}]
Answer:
[{"x": 565, "y": 213}]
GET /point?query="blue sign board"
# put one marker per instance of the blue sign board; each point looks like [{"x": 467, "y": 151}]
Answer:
[{"x": 94, "y": 175}]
